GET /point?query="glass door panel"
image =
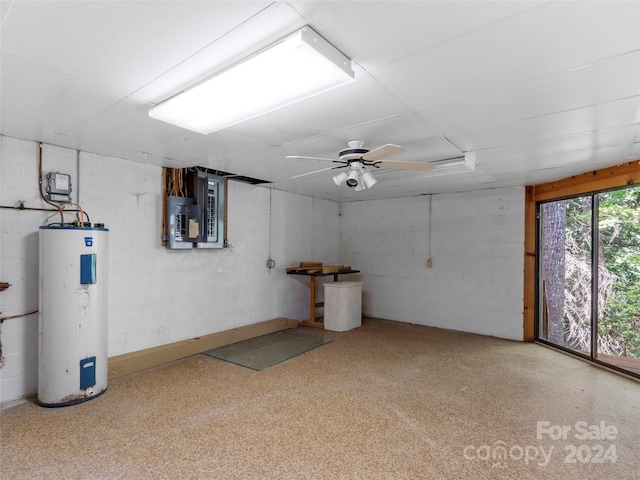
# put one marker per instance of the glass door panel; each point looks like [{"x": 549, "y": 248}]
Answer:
[
  {"x": 618, "y": 341},
  {"x": 565, "y": 273}
]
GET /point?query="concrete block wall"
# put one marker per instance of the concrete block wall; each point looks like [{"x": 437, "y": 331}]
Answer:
[
  {"x": 156, "y": 296},
  {"x": 309, "y": 230},
  {"x": 475, "y": 241}
]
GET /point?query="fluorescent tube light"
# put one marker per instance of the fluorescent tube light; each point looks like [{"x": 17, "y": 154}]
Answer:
[
  {"x": 297, "y": 67},
  {"x": 453, "y": 166},
  {"x": 468, "y": 162}
]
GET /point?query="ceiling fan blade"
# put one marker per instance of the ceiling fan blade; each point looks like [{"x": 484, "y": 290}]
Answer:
[
  {"x": 317, "y": 171},
  {"x": 313, "y": 158},
  {"x": 383, "y": 152},
  {"x": 406, "y": 165}
]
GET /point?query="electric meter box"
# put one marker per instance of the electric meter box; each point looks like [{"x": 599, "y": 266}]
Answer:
[{"x": 58, "y": 187}]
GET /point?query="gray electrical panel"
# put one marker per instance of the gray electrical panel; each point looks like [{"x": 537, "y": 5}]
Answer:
[
  {"x": 183, "y": 223},
  {"x": 196, "y": 220},
  {"x": 208, "y": 191}
]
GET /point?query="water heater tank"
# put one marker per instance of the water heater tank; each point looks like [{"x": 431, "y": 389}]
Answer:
[{"x": 72, "y": 364}]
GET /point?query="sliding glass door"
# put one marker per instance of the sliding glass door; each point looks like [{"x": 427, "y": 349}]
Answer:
[
  {"x": 565, "y": 272},
  {"x": 589, "y": 276},
  {"x": 619, "y": 277}
]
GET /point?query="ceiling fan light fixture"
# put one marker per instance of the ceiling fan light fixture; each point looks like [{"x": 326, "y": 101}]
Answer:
[
  {"x": 299, "y": 66},
  {"x": 353, "y": 179},
  {"x": 368, "y": 178},
  {"x": 359, "y": 160},
  {"x": 340, "y": 178}
]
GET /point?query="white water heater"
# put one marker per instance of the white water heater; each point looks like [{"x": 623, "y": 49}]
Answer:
[{"x": 72, "y": 364}]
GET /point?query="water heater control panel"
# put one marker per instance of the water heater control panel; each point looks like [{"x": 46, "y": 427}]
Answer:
[{"x": 58, "y": 187}]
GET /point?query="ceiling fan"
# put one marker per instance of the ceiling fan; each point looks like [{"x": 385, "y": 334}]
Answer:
[{"x": 359, "y": 160}]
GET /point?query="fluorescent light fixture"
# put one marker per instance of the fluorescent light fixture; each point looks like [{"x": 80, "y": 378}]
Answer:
[
  {"x": 456, "y": 165},
  {"x": 452, "y": 166},
  {"x": 296, "y": 67},
  {"x": 340, "y": 178}
]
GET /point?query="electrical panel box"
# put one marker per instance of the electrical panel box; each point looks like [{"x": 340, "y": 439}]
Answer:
[
  {"x": 58, "y": 187},
  {"x": 183, "y": 223},
  {"x": 208, "y": 191},
  {"x": 197, "y": 218}
]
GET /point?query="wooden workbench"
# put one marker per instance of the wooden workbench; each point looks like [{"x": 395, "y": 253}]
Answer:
[{"x": 312, "y": 293}]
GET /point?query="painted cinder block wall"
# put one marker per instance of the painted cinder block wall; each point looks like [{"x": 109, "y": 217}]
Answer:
[
  {"x": 476, "y": 243},
  {"x": 156, "y": 296}
]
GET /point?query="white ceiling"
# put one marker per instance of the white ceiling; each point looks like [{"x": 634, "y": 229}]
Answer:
[{"x": 539, "y": 90}]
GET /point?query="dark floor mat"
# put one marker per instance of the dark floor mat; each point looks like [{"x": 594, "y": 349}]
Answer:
[{"x": 269, "y": 350}]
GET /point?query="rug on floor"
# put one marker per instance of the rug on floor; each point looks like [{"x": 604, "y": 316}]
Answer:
[{"x": 269, "y": 350}]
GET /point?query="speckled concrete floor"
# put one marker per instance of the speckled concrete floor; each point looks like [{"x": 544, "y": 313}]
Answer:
[{"x": 385, "y": 401}]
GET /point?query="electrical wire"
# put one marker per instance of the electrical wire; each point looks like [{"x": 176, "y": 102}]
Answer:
[
  {"x": 170, "y": 181},
  {"x": 80, "y": 210},
  {"x": 46, "y": 220},
  {"x": 40, "y": 185},
  {"x": 59, "y": 208},
  {"x": 79, "y": 216},
  {"x": 176, "y": 185}
]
